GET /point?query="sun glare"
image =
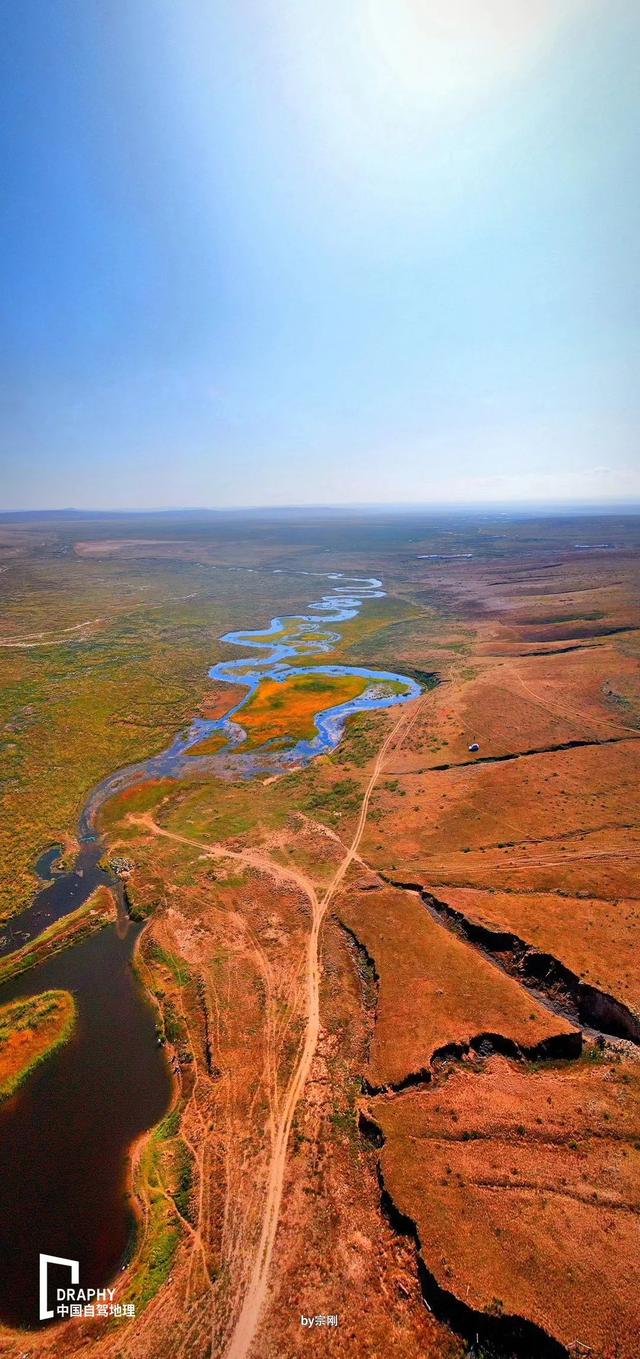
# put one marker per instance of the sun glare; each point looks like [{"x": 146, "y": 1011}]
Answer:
[{"x": 436, "y": 53}]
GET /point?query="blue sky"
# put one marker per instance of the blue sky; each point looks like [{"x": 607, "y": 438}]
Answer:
[{"x": 269, "y": 252}]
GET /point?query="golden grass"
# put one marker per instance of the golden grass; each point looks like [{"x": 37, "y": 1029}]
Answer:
[
  {"x": 523, "y": 1185},
  {"x": 596, "y": 939},
  {"x": 288, "y": 707},
  {"x": 209, "y": 746},
  {"x": 435, "y": 989},
  {"x": 565, "y": 818},
  {"x": 30, "y": 1030}
]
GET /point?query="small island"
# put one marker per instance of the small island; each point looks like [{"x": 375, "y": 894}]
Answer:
[{"x": 30, "y": 1030}]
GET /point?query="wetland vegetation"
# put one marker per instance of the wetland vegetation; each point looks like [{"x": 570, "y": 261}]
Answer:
[
  {"x": 222, "y": 871},
  {"x": 30, "y": 1030}
]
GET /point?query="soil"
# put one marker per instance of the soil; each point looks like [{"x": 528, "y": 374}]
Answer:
[{"x": 369, "y": 973}]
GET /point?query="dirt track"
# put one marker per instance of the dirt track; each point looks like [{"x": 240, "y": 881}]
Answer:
[{"x": 248, "y": 1318}]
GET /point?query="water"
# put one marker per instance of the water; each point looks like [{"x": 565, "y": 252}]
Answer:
[
  {"x": 65, "y": 1135},
  {"x": 65, "y": 893},
  {"x": 45, "y": 865},
  {"x": 285, "y": 641}
]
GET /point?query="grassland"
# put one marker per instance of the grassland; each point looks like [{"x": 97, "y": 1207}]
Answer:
[
  {"x": 30, "y": 1030},
  {"x": 525, "y": 852},
  {"x": 101, "y": 662},
  {"x": 162, "y": 1183},
  {"x": 541, "y": 1166},
  {"x": 435, "y": 993},
  {"x": 600, "y": 948},
  {"x": 518, "y": 1170}
]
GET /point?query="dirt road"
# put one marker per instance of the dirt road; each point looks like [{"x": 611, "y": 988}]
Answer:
[{"x": 249, "y": 1316}]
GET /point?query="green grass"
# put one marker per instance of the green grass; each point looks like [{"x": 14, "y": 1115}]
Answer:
[
  {"x": 183, "y": 1176},
  {"x": 176, "y": 965},
  {"x": 163, "y": 1178},
  {"x": 154, "y": 1266},
  {"x": 72, "y": 712},
  {"x": 331, "y": 802}
]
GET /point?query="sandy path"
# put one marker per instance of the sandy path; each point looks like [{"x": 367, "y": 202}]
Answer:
[
  {"x": 524, "y": 863},
  {"x": 554, "y": 705},
  {"x": 248, "y": 1318},
  {"x": 37, "y": 639}
]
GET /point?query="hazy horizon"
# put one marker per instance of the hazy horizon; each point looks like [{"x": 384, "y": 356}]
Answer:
[{"x": 515, "y": 508}]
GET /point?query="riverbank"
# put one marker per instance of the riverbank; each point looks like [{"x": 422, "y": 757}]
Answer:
[
  {"x": 98, "y": 910},
  {"x": 292, "y": 717}
]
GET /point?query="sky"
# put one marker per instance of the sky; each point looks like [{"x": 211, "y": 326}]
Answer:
[{"x": 269, "y": 252}]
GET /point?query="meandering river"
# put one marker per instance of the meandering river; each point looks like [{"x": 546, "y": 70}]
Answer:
[
  {"x": 66, "y": 1134},
  {"x": 284, "y": 644}
]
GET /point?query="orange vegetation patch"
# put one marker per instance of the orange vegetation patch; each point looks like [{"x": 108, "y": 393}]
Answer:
[
  {"x": 524, "y": 1188},
  {"x": 219, "y": 698},
  {"x": 31, "y": 1029},
  {"x": 209, "y": 746},
  {"x": 288, "y": 707},
  {"x": 597, "y": 940},
  {"x": 437, "y": 991}
]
